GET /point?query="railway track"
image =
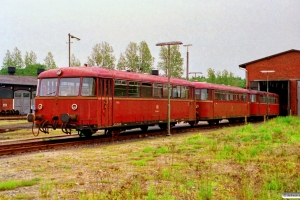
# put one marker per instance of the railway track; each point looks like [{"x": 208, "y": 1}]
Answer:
[{"x": 49, "y": 143}]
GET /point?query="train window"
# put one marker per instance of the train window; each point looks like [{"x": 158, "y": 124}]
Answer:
[
  {"x": 217, "y": 95},
  {"x": 134, "y": 89},
  {"x": 197, "y": 94},
  {"x": 263, "y": 99},
  {"x": 48, "y": 87},
  {"x": 146, "y": 90},
  {"x": 230, "y": 97},
  {"x": 175, "y": 91},
  {"x": 120, "y": 88},
  {"x": 253, "y": 97},
  {"x": 88, "y": 87},
  {"x": 157, "y": 90},
  {"x": 184, "y": 92},
  {"x": 165, "y": 90},
  {"x": 69, "y": 87},
  {"x": 204, "y": 94}
]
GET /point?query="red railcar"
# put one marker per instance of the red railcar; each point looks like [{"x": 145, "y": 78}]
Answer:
[
  {"x": 263, "y": 104},
  {"x": 90, "y": 98},
  {"x": 216, "y": 102}
]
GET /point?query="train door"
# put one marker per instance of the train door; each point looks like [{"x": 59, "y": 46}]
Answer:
[
  {"x": 22, "y": 101},
  {"x": 106, "y": 102}
]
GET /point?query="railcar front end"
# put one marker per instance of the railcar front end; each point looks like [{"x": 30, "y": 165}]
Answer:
[{"x": 67, "y": 101}]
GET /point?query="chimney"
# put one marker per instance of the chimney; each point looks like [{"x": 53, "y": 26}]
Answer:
[
  {"x": 11, "y": 70},
  {"x": 155, "y": 72},
  {"x": 39, "y": 70}
]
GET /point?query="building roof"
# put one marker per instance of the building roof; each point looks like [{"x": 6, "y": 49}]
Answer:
[
  {"x": 18, "y": 80},
  {"x": 268, "y": 57}
]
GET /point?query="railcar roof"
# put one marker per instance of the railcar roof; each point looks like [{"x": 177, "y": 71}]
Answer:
[
  {"x": 205, "y": 85},
  {"x": 107, "y": 73}
]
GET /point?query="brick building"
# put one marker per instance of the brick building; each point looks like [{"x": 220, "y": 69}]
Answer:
[{"x": 278, "y": 73}]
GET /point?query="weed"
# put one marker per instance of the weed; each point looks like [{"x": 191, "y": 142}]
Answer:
[
  {"x": 148, "y": 150},
  {"x": 12, "y": 184},
  {"x": 139, "y": 162}
]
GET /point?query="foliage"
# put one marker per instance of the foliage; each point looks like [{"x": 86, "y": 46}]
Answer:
[
  {"x": 132, "y": 57},
  {"x": 224, "y": 77},
  {"x": 176, "y": 61},
  {"x": 30, "y": 58},
  {"x": 49, "y": 61},
  {"x": 30, "y": 70},
  {"x": 74, "y": 61},
  {"x": 145, "y": 58},
  {"x": 102, "y": 56},
  {"x": 122, "y": 63},
  {"x": 13, "y": 59},
  {"x": 137, "y": 58}
]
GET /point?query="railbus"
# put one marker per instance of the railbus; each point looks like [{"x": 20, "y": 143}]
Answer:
[{"x": 88, "y": 99}]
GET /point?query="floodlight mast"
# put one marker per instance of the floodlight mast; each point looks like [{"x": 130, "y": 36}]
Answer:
[
  {"x": 71, "y": 36},
  {"x": 169, "y": 76},
  {"x": 267, "y": 72}
]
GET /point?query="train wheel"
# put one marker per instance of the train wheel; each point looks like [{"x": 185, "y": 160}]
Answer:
[
  {"x": 163, "y": 126},
  {"x": 87, "y": 133},
  {"x": 144, "y": 128},
  {"x": 192, "y": 123},
  {"x": 213, "y": 122}
]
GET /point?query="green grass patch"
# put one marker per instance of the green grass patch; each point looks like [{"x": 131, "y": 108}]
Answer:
[{"x": 13, "y": 184}]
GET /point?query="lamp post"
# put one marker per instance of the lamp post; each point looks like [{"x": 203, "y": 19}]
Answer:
[
  {"x": 187, "y": 60},
  {"x": 267, "y": 72},
  {"x": 71, "y": 36},
  {"x": 169, "y": 76},
  {"x": 195, "y": 73}
]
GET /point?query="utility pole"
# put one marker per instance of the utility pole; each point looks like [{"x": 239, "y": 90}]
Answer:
[{"x": 187, "y": 60}]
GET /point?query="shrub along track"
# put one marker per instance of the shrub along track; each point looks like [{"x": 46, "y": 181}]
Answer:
[{"x": 31, "y": 145}]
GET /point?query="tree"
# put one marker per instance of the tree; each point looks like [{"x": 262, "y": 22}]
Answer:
[
  {"x": 17, "y": 58},
  {"x": 74, "y": 61},
  {"x": 8, "y": 60},
  {"x": 30, "y": 58},
  {"x": 102, "y": 56},
  {"x": 31, "y": 70},
  {"x": 176, "y": 61},
  {"x": 145, "y": 58},
  {"x": 13, "y": 59},
  {"x": 224, "y": 77},
  {"x": 122, "y": 63},
  {"x": 132, "y": 59},
  {"x": 49, "y": 61}
]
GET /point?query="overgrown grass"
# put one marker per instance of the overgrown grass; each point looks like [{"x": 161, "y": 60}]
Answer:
[
  {"x": 13, "y": 184},
  {"x": 255, "y": 161}
]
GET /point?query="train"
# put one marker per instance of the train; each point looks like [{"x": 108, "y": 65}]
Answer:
[{"x": 88, "y": 99}]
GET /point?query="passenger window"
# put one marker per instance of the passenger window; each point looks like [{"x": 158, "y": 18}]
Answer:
[
  {"x": 165, "y": 91},
  {"x": 88, "y": 87},
  {"x": 175, "y": 91},
  {"x": 120, "y": 89},
  {"x": 134, "y": 89},
  {"x": 197, "y": 94},
  {"x": 184, "y": 92},
  {"x": 157, "y": 90},
  {"x": 204, "y": 94},
  {"x": 146, "y": 90}
]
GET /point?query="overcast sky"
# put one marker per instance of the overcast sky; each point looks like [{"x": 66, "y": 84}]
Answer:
[{"x": 224, "y": 34}]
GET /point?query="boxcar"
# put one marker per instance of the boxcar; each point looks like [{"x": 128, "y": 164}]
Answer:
[{"x": 88, "y": 99}]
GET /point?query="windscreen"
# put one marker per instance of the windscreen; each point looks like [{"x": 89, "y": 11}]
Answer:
[{"x": 69, "y": 86}]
